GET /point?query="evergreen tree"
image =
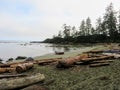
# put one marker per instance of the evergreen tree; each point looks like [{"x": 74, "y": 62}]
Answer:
[
  {"x": 82, "y": 29},
  {"x": 60, "y": 34},
  {"x": 93, "y": 31},
  {"x": 99, "y": 29},
  {"x": 110, "y": 21},
  {"x": 66, "y": 31},
  {"x": 73, "y": 31},
  {"x": 88, "y": 26},
  {"x": 119, "y": 22}
]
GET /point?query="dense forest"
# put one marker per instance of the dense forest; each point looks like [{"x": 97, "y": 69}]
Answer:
[{"x": 107, "y": 29}]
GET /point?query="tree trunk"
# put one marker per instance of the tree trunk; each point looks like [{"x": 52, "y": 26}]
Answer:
[
  {"x": 70, "y": 61},
  {"x": 19, "y": 83},
  {"x": 23, "y": 67}
]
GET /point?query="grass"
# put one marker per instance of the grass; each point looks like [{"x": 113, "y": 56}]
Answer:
[{"x": 81, "y": 77}]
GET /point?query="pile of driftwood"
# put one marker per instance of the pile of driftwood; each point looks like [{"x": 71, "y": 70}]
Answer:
[
  {"x": 15, "y": 67},
  {"x": 20, "y": 67},
  {"x": 94, "y": 58}
]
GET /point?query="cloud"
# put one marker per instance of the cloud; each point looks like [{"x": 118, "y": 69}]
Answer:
[{"x": 40, "y": 19}]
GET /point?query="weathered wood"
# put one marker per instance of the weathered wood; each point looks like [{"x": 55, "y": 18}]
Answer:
[
  {"x": 3, "y": 70},
  {"x": 23, "y": 67},
  {"x": 116, "y": 55},
  {"x": 48, "y": 61},
  {"x": 4, "y": 65},
  {"x": 10, "y": 76},
  {"x": 7, "y": 70},
  {"x": 70, "y": 61},
  {"x": 96, "y": 58},
  {"x": 95, "y": 51},
  {"x": 19, "y": 83},
  {"x": 99, "y": 64},
  {"x": 102, "y": 61}
]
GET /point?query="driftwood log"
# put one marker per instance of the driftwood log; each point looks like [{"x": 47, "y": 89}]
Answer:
[
  {"x": 7, "y": 70},
  {"x": 99, "y": 64},
  {"x": 48, "y": 61},
  {"x": 19, "y": 83},
  {"x": 96, "y": 58},
  {"x": 23, "y": 67},
  {"x": 4, "y": 65},
  {"x": 116, "y": 55},
  {"x": 11, "y": 76},
  {"x": 70, "y": 61},
  {"x": 95, "y": 51}
]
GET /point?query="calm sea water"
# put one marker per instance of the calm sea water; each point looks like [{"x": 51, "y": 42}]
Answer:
[{"x": 12, "y": 50}]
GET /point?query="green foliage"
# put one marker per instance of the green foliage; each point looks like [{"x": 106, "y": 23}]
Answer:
[
  {"x": 107, "y": 30},
  {"x": 110, "y": 21}
]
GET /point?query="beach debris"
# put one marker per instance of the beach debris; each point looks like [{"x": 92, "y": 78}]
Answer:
[
  {"x": 48, "y": 61},
  {"x": 95, "y": 51},
  {"x": 97, "y": 58},
  {"x": 98, "y": 64},
  {"x": 7, "y": 70},
  {"x": 70, "y": 61},
  {"x": 4, "y": 65},
  {"x": 21, "y": 57},
  {"x": 11, "y": 76},
  {"x": 16, "y": 67},
  {"x": 92, "y": 58},
  {"x": 112, "y": 51},
  {"x": 24, "y": 67},
  {"x": 59, "y": 53},
  {"x": 19, "y": 83}
]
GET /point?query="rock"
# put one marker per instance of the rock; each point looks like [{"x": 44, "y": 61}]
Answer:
[
  {"x": 21, "y": 57},
  {"x": 1, "y": 60},
  {"x": 10, "y": 59},
  {"x": 29, "y": 59}
]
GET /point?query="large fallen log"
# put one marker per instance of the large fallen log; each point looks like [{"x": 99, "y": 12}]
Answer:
[
  {"x": 95, "y": 51},
  {"x": 11, "y": 76},
  {"x": 116, "y": 55},
  {"x": 96, "y": 58},
  {"x": 48, "y": 61},
  {"x": 4, "y": 65},
  {"x": 103, "y": 61},
  {"x": 99, "y": 64},
  {"x": 19, "y": 83},
  {"x": 70, "y": 61},
  {"x": 11, "y": 64},
  {"x": 23, "y": 67},
  {"x": 7, "y": 70}
]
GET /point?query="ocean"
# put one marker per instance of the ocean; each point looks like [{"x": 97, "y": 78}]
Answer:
[{"x": 14, "y": 49}]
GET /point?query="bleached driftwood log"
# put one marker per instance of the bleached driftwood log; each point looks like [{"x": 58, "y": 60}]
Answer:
[{"x": 19, "y": 83}]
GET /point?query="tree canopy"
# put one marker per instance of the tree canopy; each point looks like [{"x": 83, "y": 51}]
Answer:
[{"x": 107, "y": 29}]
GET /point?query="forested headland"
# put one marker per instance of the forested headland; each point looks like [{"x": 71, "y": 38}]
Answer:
[{"x": 106, "y": 30}]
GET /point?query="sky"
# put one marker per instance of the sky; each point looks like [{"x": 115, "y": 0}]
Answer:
[{"x": 41, "y": 19}]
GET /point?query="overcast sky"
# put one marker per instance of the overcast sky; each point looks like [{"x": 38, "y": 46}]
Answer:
[{"x": 41, "y": 19}]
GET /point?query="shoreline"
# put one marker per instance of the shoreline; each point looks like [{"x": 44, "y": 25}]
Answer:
[{"x": 66, "y": 54}]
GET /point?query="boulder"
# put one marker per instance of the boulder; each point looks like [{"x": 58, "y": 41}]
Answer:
[
  {"x": 29, "y": 59},
  {"x": 21, "y": 57}
]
